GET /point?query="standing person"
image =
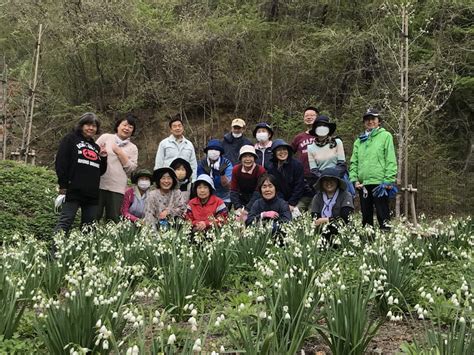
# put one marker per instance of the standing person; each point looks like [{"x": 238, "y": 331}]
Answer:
[
  {"x": 332, "y": 202},
  {"x": 289, "y": 174},
  {"x": 326, "y": 151},
  {"x": 183, "y": 171},
  {"x": 133, "y": 206},
  {"x": 263, "y": 133},
  {"x": 80, "y": 162},
  {"x": 374, "y": 167},
  {"x": 122, "y": 160},
  {"x": 166, "y": 203},
  {"x": 206, "y": 209},
  {"x": 218, "y": 168},
  {"x": 176, "y": 146},
  {"x": 243, "y": 187},
  {"x": 234, "y": 140}
]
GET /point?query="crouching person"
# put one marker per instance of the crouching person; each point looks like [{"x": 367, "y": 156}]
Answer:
[
  {"x": 270, "y": 207},
  {"x": 133, "y": 205},
  {"x": 332, "y": 204},
  {"x": 206, "y": 209}
]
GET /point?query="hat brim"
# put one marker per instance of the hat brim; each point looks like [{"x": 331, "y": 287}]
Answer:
[
  {"x": 371, "y": 115},
  {"x": 254, "y": 154},
  {"x": 134, "y": 178},
  {"x": 341, "y": 183},
  {"x": 220, "y": 149},
  {"x": 267, "y": 128}
]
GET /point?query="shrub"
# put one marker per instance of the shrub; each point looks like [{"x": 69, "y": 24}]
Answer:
[{"x": 26, "y": 199}]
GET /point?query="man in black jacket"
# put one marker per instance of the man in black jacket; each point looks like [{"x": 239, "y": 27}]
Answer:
[
  {"x": 234, "y": 140},
  {"x": 79, "y": 164}
]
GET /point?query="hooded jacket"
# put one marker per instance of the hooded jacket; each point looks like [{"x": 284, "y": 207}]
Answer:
[
  {"x": 232, "y": 147},
  {"x": 79, "y": 168},
  {"x": 225, "y": 168},
  {"x": 373, "y": 161}
]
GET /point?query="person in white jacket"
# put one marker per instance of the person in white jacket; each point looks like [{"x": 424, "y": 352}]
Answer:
[{"x": 176, "y": 146}]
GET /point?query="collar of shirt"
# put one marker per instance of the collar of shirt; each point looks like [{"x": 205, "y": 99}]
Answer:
[
  {"x": 259, "y": 146},
  {"x": 249, "y": 171}
]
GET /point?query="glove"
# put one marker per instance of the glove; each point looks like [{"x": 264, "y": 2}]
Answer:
[
  {"x": 222, "y": 168},
  {"x": 269, "y": 214},
  {"x": 58, "y": 202},
  {"x": 385, "y": 189}
]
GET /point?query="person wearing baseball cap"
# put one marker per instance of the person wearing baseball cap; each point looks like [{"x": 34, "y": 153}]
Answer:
[
  {"x": 234, "y": 140},
  {"x": 373, "y": 169}
]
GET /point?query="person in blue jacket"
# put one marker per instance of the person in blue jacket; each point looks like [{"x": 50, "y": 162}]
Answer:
[
  {"x": 270, "y": 207},
  {"x": 218, "y": 168},
  {"x": 289, "y": 173}
]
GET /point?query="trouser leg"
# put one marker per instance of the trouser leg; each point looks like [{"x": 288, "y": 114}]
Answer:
[
  {"x": 101, "y": 204},
  {"x": 66, "y": 219},
  {"x": 88, "y": 214},
  {"x": 304, "y": 203},
  {"x": 382, "y": 210},
  {"x": 367, "y": 206},
  {"x": 112, "y": 206}
]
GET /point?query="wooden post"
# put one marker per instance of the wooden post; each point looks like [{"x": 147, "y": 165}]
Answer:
[
  {"x": 412, "y": 204},
  {"x": 29, "y": 120},
  {"x": 3, "y": 103},
  {"x": 405, "y": 108}
]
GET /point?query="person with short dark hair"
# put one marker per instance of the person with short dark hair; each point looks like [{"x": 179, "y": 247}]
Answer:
[
  {"x": 79, "y": 164},
  {"x": 133, "y": 206},
  {"x": 301, "y": 141},
  {"x": 166, "y": 202},
  {"x": 234, "y": 140},
  {"x": 176, "y": 146},
  {"x": 183, "y": 171},
  {"x": 122, "y": 161},
  {"x": 263, "y": 133},
  {"x": 373, "y": 170},
  {"x": 270, "y": 207},
  {"x": 206, "y": 209}
]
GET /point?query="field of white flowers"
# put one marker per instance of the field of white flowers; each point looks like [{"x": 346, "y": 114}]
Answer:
[{"x": 122, "y": 289}]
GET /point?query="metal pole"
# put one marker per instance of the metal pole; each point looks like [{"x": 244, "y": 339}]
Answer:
[{"x": 33, "y": 94}]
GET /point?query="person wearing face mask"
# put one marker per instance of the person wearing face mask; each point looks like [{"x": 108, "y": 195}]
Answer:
[
  {"x": 122, "y": 161},
  {"x": 234, "y": 140},
  {"x": 373, "y": 170},
  {"x": 133, "y": 206},
  {"x": 263, "y": 133},
  {"x": 183, "y": 172},
  {"x": 218, "y": 168},
  {"x": 326, "y": 151}
]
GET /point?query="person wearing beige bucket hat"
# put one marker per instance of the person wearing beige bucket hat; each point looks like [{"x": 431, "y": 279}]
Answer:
[
  {"x": 243, "y": 188},
  {"x": 234, "y": 140}
]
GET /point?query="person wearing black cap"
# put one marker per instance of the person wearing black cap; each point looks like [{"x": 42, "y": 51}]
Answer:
[
  {"x": 133, "y": 205},
  {"x": 218, "y": 168},
  {"x": 183, "y": 171},
  {"x": 374, "y": 165},
  {"x": 289, "y": 174},
  {"x": 80, "y": 162},
  {"x": 263, "y": 133},
  {"x": 332, "y": 203},
  {"x": 166, "y": 202}
]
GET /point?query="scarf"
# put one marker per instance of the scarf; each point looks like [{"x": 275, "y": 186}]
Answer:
[
  {"x": 328, "y": 140},
  {"x": 137, "y": 208},
  {"x": 214, "y": 165},
  {"x": 329, "y": 204},
  {"x": 364, "y": 136},
  {"x": 120, "y": 142}
]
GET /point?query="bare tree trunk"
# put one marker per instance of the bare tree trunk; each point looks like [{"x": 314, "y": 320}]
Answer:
[{"x": 4, "y": 108}]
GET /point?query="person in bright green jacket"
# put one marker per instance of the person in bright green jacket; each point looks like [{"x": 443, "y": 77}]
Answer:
[{"x": 373, "y": 170}]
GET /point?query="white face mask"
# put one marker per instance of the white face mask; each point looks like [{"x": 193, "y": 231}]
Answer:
[
  {"x": 213, "y": 154},
  {"x": 322, "y": 131},
  {"x": 262, "y": 136},
  {"x": 144, "y": 184},
  {"x": 236, "y": 135}
]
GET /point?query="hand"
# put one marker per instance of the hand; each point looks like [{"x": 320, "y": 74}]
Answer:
[
  {"x": 269, "y": 214},
  {"x": 103, "y": 150},
  {"x": 358, "y": 185},
  {"x": 164, "y": 214},
  {"x": 389, "y": 186},
  {"x": 291, "y": 208},
  {"x": 116, "y": 149},
  {"x": 222, "y": 168},
  {"x": 62, "y": 191},
  {"x": 200, "y": 226},
  {"x": 321, "y": 220}
]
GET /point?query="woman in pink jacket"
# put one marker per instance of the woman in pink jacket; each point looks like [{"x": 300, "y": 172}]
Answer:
[{"x": 133, "y": 205}]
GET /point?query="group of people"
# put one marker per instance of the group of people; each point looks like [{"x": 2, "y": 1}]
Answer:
[{"x": 268, "y": 181}]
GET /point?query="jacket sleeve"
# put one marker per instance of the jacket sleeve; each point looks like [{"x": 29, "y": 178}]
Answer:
[
  {"x": 127, "y": 202},
  {"x": 150, "y": 217},
  {"x": 315, "y": 207},
  {"x": 193, "y": 163},
  {"x": 255, "y": 196},
  {"x": 63, "y": 162},
  {"x": 254, "y": 214},
  {"x": 391, "y": 160},
  {"x": 354, "y": 168},
  {"x": 299, "y": 184},
  {"x": 160, "y": 156},
  {"x": 311, "y": 160},
  {"x": 178, "y": 208},
  {"x": 189, "y": 216},
  {"x": 234, "y": 190},
  {"x": 103, "y": 165},
  {"x": 285, "y": 214}
]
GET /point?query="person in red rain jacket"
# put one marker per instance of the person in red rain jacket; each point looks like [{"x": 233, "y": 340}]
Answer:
[{"x": 206, "y": 209}]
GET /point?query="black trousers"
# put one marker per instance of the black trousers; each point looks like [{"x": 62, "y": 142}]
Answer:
[
  {"x": 381, "y": 208},
  {"x": 68, "y": 213}
]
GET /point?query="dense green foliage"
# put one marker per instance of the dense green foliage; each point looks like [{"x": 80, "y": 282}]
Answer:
[{"x": 26, "y": 199}]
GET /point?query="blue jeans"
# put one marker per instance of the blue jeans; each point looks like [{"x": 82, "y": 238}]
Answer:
[{"x": 68, "y": 213}]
